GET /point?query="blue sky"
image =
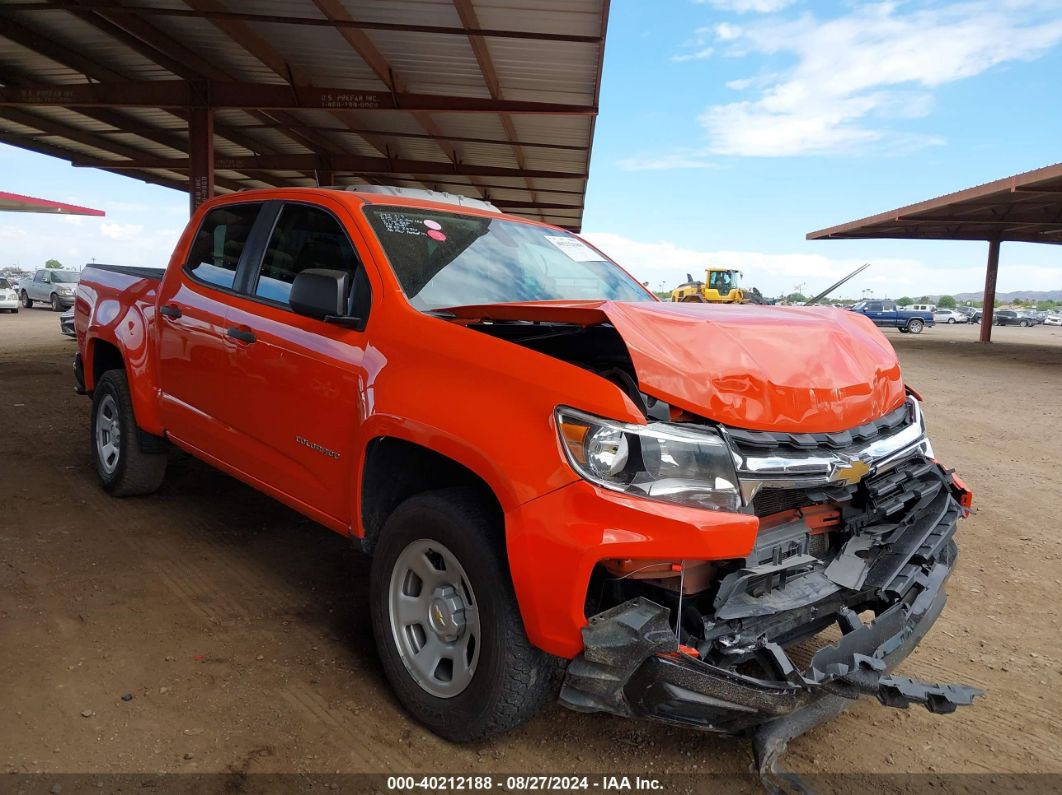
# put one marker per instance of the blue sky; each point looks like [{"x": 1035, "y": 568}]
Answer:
[{"x": 728, "y": 130}]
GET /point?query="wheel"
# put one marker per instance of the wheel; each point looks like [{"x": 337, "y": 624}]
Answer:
[
  {"x": 125, "y": 470},
  {"x": 951, "y": 320},
  {"x": 904, "y": 330},
  {"x": 915, "y": 326},
  {"x": 447, "y": 626},
  {"x": 693, "y": 299},
  {"x": 1025, "y": 324},
  {"x": 56, "y": 306},
  {"x": 26, "y": 302}
]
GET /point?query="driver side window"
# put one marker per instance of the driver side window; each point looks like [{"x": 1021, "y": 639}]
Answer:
[{"x": 304, "y": 237}]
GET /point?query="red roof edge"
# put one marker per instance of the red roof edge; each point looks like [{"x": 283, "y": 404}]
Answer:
[{"x": 14, "y": 202}]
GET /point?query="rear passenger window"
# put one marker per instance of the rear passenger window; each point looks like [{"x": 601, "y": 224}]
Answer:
[
  {"x": 304, "y": 237},
  {"x": 219, "y": 243}
]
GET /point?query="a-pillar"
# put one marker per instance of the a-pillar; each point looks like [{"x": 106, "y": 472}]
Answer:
[
  {"x": 200, "y": 156},
  {"x": 988, "y": 312}
]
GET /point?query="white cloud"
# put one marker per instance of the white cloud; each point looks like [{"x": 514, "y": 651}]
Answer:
[
  {"x": 683, "y": 160},
  {"x": 855, "y": 75},
  {"x": 121, "y": 231},
  {"x": 697, "y": 55},
  {"x": 664, "y": 263},
  {"x": 744, "y": 6}
]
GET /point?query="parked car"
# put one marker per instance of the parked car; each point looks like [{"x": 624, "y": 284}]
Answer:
[
  {"x": 887, "y": 314},
  {"x": 546, "y": 479},
  {"x": 8, "y": 296},
  {"x": 950, "y": 316},
  {"x": 1053, "y": 320},
  {"x": 923, "y": 308},
  {"x": 66, "y": 323},
  {"x": 1008, "y": 317},
  {"x": 53, "y": 287}
]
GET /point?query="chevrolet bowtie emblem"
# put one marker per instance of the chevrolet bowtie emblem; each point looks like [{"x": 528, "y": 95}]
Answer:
[{"x": 852, "y": 472}]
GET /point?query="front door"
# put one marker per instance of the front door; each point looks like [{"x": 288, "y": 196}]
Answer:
[
  {"x": 303, "y": 381},
  {"x": 197, "y": 402}
]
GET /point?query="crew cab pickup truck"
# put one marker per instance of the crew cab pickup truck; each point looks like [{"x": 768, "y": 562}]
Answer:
[
  {"x": 567, "y": 486},
  {"x": 888, "y": 315}
]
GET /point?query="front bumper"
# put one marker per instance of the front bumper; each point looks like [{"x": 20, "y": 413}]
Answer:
[
  {"x": 632, "y": 664},
  {"x": 9, "y": 303}
]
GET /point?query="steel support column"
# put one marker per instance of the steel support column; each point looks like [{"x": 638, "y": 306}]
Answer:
[
  {"x": 988, "y": 312},
  {"x": 200, "y": 156}
]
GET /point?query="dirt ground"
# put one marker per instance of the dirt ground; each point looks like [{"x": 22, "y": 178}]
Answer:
[{"x": 240, "y": 629}]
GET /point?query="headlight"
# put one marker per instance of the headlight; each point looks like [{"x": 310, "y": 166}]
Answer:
[
  {"x": 66, "y": 291},
  {"x": 688, "y": 466}
]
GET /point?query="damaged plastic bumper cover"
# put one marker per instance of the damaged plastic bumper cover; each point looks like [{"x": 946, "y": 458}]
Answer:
[{"x": 632, "y": 664}]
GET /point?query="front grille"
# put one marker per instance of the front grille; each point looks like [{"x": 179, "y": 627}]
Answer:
[
  {"x": 769, "y": 501},
  {"x": 759, "y": 442}
]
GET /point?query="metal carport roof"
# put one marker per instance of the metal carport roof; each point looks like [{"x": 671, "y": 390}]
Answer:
[
  {"x": 488, "y": 98},
  {"x": 1024, "y": 208}
]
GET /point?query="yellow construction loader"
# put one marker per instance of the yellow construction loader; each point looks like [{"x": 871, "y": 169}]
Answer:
[{"x": 721, "y": 286}]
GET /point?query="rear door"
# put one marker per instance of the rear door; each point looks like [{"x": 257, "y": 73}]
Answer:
[
  {"x": 889, "y": 314},
  {"x": 198, "y": 400},
  {"x": 303, "y": 382}
]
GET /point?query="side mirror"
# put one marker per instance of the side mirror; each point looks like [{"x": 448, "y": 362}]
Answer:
[{"x": 321, "y": 294}]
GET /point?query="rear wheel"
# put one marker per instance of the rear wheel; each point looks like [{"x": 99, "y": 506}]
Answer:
[
  {"x": 26, "y": 302},
  {"x": 447, "y": 626},
  {"x": 915, "y": 326},
  {"x": 125, "y": 470}
]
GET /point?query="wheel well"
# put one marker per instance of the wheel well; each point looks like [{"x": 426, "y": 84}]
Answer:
[
  {"x": 395, "y": 470},
  {"x": 105, "y": 357}
]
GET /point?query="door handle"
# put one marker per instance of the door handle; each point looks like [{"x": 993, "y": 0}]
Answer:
[
  {"x": 171, "y": 311},
  {"x": 242, "y": 335}
]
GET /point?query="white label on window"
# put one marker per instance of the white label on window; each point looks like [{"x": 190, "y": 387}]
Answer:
[{"x": 575, "y": 249}]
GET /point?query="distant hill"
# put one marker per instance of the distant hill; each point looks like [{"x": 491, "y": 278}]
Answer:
[{"x": 1025, "y": 295}]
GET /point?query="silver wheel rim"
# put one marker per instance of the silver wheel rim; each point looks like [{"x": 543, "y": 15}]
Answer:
[
  {"x": 434, "y": 618},
  {"x": 108, "y": 434}
]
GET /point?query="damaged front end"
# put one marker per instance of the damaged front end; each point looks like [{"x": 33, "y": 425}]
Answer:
[{"x": 846, "y": 577}]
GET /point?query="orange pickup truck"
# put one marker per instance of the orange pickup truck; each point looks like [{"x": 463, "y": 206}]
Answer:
[{"x": 567, "y": 486}]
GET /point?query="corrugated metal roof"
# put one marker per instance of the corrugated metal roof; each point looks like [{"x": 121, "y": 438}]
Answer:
[
  {"x": 1024, "y": 208},
  {"x": 421, "y": 61}
]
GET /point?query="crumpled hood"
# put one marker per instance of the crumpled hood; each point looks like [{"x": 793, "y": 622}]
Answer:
[{"x": 771, "y": 368}]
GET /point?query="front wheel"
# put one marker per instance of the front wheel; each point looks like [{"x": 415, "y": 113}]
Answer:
[
  {"x": 951, "y": 320},
  {"x": 56, "y": 306},
  {"x": 125, "y": 470},
  {"x": 446, "y": 622},
  {"x": 915, "y": 326},
  {"x": 1025, "y": 324},
  {"x": 26, "y": 302}
]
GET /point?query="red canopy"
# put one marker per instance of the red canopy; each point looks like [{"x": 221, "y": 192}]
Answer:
[{"x": 14, "y": 203}]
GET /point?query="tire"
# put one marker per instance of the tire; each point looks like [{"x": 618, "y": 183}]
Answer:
[
  {"x": 26, "y": 302},
  {"x": 503, "y": 680},
  {"x": 1025, "y": 324},
  {"x": 56, "y": 306},
  {"x": 951, "y": 321},
  {"x": 915, "y": 326},
  {"x": 693, "y": 299},
  {"x": 124, "y": 469},
  {"x": 904, "y": 330}
]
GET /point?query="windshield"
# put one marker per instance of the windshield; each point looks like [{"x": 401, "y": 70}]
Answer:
[
  {"x": 64, "y": 277},
  {"x": 444, "y": 259}
]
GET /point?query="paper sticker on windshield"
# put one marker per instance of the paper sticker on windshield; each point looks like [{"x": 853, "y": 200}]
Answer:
[
  {"x": 400, "y": 224},
  {"x": 575, "y": 249}
]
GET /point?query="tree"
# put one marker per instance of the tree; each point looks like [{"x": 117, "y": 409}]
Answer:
[
  {"x": 924, "y": 299},
  {"x": 796, "y": 298},
  {"x": 54, "y": 263},
  {"x": 946, "y": 302},
  {"x": 904, "y": 300}
]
